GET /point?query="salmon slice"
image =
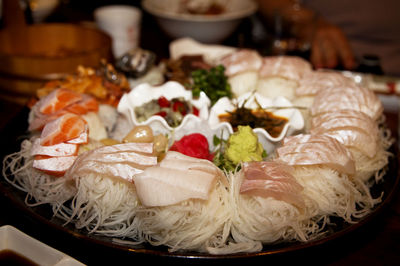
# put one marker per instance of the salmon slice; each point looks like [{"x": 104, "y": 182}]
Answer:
[
  {"x": 56, "y": 166},
  {"x": 87, "y": 104},
  {"x": 61, "y": 149},
  {"x": 314, "y": 150},
  {"x": 58, "y": 100},
  {"x": 67, "y": 127},
  {"x": 271, "y": 179}
]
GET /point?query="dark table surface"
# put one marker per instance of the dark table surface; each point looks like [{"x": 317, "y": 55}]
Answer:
[{"x": 376, "y": 242}]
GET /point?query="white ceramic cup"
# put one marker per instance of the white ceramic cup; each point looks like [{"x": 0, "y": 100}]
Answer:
[{"x": 122, "y": 23}]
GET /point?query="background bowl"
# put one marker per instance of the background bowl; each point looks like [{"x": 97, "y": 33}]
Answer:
[{"x": 203, "y": 28}]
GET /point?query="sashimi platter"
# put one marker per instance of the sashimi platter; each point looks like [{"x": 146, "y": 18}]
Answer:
[{"x": 216, "y": 150}]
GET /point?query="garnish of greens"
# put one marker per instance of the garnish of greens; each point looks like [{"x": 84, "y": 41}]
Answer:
[{"x": 212, "y": 82}]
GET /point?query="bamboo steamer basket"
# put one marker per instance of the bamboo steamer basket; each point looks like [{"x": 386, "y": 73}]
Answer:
[{"x": 31, "y": 55}]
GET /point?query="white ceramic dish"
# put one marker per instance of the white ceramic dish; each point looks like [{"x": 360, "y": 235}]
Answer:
[
  {"x": 250, "y": 100},
  {"x": 203, "y": 28},
  {"x": 14, "y": 240},
  {"x": 144, "y": 93}
]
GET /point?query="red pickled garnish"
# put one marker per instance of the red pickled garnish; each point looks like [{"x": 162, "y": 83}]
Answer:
[
  {"x": 193, "y": 145},
  {"x": 195, "y": 111},
  {"x": 163, "y": 102},
  {"x": 161, "y": 113},
  {"x": 179, "y": 107}
]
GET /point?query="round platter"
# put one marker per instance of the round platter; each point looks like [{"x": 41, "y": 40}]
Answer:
[{"x": 39, "y": 221}]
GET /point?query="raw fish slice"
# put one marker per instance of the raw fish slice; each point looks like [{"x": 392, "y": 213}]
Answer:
[
  {"x": 119, "y": 162},
  {"x": 314, "y": 81},
  {"x": 289, "y": 67},
  {"x": 58, "y": 100},
  {"x": 241, "y": 61},
  {"x": 367, "y": 143},
  {"x": 116, "y": 171},
  {"x": 125, "y": 147},
  {"x": 87, "y": 104},
  {"x": 55, "y": 166},
  {"x": 82, "y": 139},
  {"x": 40, "y": 120},
  {"x": 347, "y": 98},
  {"x": 270, "y": 179},
  {"x": 159, "y": 186},
  {"x": 350, "y": 119},
  {"x": 267, "y": 170},
  {"x": 61, "y": 149},
  {"x": 180, "y": 161},
  {"x": 126, "y": 157},
  {"x": 65, "y": 128},
  {"x": 311, "y": 150}
]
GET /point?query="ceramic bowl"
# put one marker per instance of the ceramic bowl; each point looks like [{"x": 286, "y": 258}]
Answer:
[
  {"x": 144, "y": 93},
  {"x": 203, "y": 28},
  {"x": 279, "y": 106}
]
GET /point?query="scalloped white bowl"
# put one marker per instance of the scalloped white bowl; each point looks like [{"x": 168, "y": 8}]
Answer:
[
  {"x": 144, "y": 93},
  {"x": 294, "y": 116}
]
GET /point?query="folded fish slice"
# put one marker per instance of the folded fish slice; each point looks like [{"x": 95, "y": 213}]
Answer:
[
  {"x": 347, "y": 98},
  {"x": 119, "y": 162},
  {"x": 241, "y": 61},
  {"x": 366, "y": 143},
  {"x": 289, "y": 67},
  {"x": 309, "y": 150},
  {"x": 66, "y": 127},
  {"x": 350, "y": 119},
  {"x": 57, "y": 100},
  {"x": 161, "y": 186},
  {"x": 314, "y": 81},
  {"x": 55, "y": 166},
  {"x": 271, "y": 179},
  {"x": 61, "y": 149}
]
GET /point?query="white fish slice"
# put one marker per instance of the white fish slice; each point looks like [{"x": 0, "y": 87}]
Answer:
[
  {"x": 312, "y": 150},
  {"x": 159, "y": 186},
  {"x": 61, "y": 149}
]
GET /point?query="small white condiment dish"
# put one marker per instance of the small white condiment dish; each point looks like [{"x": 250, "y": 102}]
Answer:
[
  {"x": 32, "y": 249},
  {"x": 144, "y": 93},
  {"x": 279, "y": 106}
]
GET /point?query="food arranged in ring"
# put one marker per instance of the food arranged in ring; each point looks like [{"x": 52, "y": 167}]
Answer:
[{"x": 240, "y": 151}]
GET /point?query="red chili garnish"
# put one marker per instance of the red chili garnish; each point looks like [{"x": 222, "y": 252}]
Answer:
[
  {"x": 195, "y": 111},
  {"x": 161, "y": 113},
  {"x": 163, "y": 102},
  {"x": 179, "y": 107},
  {"x": 193, "y": 145}
]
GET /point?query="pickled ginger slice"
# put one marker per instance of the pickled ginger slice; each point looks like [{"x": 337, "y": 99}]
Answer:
[
  {"x": 168, "y": 184},
  {"x": 272, "y": 179},
  {"x": 347, "y": 98},
  {"x": 308, "y": 150}
]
